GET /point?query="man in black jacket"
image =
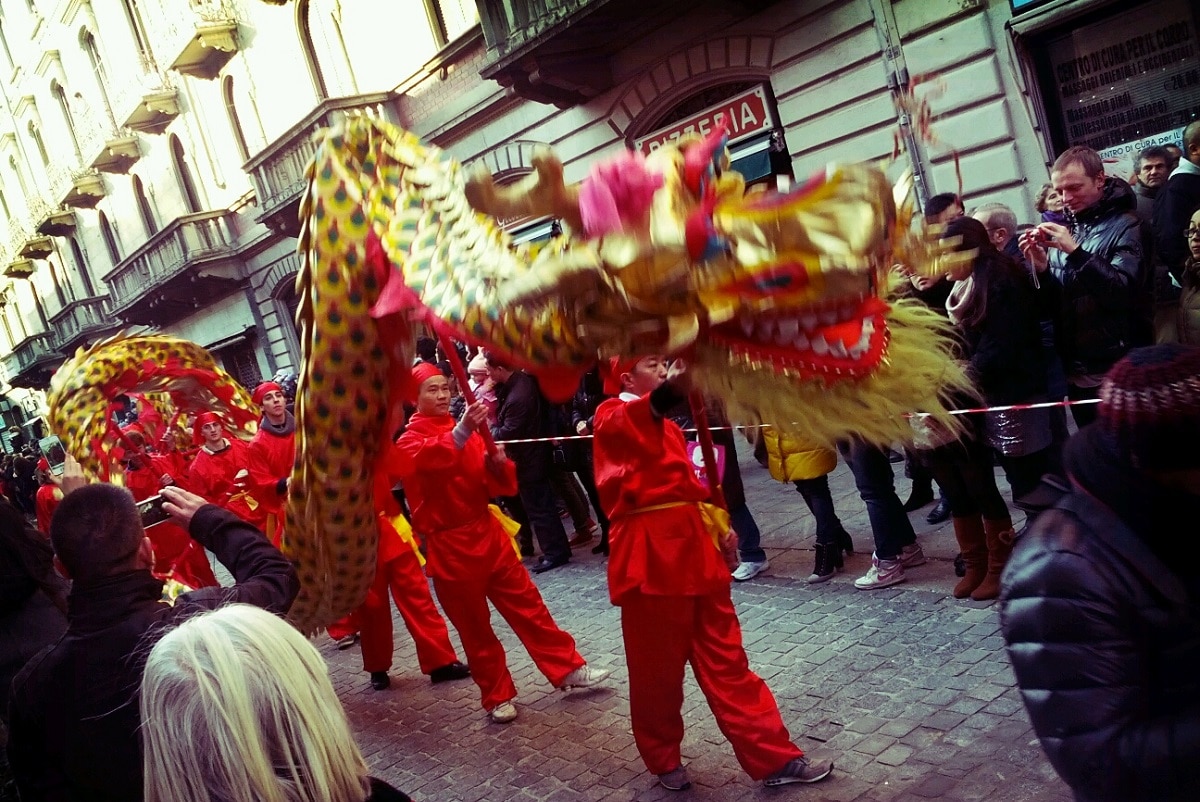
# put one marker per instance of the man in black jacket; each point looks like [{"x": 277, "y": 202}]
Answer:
[
  {"x": 1100, "y": 599},
  {"x": 522, "y": 414},
  {"x": 1177, "y": 201},
  {"x": 1101, "y": 270},
  {"x": 74, "y": 712}
]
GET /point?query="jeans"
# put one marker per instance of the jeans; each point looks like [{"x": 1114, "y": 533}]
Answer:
[
  {"x": 875, "y": 482},
  {"x": 820, "y": 503},
  {"x": 748, "y": 535},
  {"x": 964, "y": 471}
]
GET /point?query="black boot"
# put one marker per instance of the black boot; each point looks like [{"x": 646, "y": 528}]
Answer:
[
  {"x": 602, "y": 546},
  {"x": 844, "y": 542},
  {"x": 921, "y": 496},
  {"x": 380, "y": 680},
  {"x": 828, "y": 562},
  {"x": 940, "y": 513}
]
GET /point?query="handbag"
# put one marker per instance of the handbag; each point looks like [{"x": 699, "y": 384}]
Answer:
[
  {"x": 930, "y": 433},
  {"x": 1017, "y": 432}
]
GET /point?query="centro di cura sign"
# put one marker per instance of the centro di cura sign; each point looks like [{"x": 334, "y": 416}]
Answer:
[{"x": 744, "y": 115}]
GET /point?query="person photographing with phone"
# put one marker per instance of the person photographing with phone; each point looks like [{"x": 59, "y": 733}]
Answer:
[
  {"x": 75, "y": 718},
  {"x": 1096, "y": 272}
]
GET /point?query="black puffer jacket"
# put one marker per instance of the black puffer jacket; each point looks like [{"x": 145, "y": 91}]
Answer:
[
  {"x": 1105, "y": 284},
  {"x": 1100, "y": 612}
]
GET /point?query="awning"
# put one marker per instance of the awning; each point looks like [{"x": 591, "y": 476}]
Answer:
[{"x": 752, "y": 158}]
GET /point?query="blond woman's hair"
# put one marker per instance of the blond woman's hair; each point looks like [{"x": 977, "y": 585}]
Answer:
[{"x": 237, "y": 705}]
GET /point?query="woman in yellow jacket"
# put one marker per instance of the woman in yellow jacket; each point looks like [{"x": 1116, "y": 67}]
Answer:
[{"x": 789, "y": 459}]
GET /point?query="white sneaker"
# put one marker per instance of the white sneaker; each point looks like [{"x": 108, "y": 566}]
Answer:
[
  {"x": 503, "y": 713},
  {"x": 746, "y": 571},
  {"x": 912, "y": 555},
  {"x": 881, "y": 574},
  {"x": 584, "y": 677}
]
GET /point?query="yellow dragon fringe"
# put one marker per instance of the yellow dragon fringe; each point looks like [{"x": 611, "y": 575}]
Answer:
[
  {"x": 160, "y": 367},
  {"x": 782, "y": 315}
]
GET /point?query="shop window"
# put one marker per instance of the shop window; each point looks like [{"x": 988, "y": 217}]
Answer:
[{"x": 241, "y": 362}]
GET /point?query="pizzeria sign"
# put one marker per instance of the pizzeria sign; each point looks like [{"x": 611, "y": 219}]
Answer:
[{"x": 744, "y": 115}]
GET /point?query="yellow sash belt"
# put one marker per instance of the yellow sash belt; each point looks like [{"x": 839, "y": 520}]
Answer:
[{"x": 714, "y": 518}]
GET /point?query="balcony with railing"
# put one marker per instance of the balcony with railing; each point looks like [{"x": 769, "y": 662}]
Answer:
[
  {"x": 559, "y": 51},
  {"x": 33, "y": 361},
  {"x": 145, "y": 102},
  {"x": 74, "y": 187},
  {"x": 202, "y": 40},
  {"x": 24, "y": 242},
  {"x": 278, "y": 171},
  {"x": 81, "y": 323},
  {"x": 189, "y": 263},
  {"x": 104, "y": 149}
]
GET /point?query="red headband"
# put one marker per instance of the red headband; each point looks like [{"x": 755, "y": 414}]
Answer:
[
  {"x": 207, "y": 417},
  {"x": 612, "y": 371},
  {"x": 262, "y": 389}
]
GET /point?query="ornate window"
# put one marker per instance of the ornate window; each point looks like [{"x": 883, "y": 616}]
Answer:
[
  {"x": 110, "y": 239},
  {"x": 187, "y": 185},
  {"x": 144, "y": 209},
  {"x": 235, "y": 124}
]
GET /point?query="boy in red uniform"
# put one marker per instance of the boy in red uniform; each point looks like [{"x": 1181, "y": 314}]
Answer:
[
  {"x": 176, "y": 555},
  {"x": 448, "y": 479},
  {"x": 398, "y": 568},
  {"x": 219, "y": 470},
  {"x": 667, "y": 574},
  {"x": 272, "y": 456}
]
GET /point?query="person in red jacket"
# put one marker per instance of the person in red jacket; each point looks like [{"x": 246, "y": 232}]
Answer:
[
  {"x": 398, "y": 569},
  {"x": 667, "y": 574},
  {"x": 48, "y": 496},
  {"x": 448, "y": 480},
  {"x": 176, "y": 556},
  {"x": 272, "y": 455},
  {"x": 219, "y": 470}
]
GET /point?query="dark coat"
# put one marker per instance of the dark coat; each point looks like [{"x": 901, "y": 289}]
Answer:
[
  {"x": 522, "y": 413},
  {"x": 1105, "y": 285},
  {"x": 32, "y": 597},
  {"x": 1004, "y": 351},
  {"x": 732, "y": 486},
  {"x": 74, "y": 714},
  {"x": 1173, "y": 207},
  {"x": 1104, "y": 632}
]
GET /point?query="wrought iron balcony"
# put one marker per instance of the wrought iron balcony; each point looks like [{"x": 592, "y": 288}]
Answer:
[
  {"x": 81, "y": 323},
  {"x": 80, "y": 188},
  {"x": 146, "y": 103},
  {"x": 104, "y": 148},
  {"x": 33, "y": 361},
  {"x": 559, "y": 51},
  {"x": 278, "y": 171},
  {"x": 57, "y": 223},
  {"x": 186, "y": 265},
  {"x": 204, "y": 40}
]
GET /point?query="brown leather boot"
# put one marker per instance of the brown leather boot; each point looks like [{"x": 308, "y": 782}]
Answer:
[
  {"x": 968, "y": 531},
  {"x": 999, "y": 536}
]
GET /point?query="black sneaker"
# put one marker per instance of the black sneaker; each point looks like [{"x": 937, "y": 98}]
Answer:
[
  {"x": 380, "y": 680},
  {"x": 800, "y": 770}
]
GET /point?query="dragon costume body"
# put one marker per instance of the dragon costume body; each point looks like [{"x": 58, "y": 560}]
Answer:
[{"x": 777, "y": 300}]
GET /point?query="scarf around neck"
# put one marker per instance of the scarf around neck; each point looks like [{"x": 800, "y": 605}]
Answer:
[
  {"x": 960, "y": 296},
  {"x": 279, "y": 430}
]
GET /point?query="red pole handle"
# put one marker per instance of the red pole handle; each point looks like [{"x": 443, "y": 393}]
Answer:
[{"x": 704, "y": 435}]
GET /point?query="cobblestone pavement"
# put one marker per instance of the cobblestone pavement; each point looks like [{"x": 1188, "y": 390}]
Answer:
[{"x": 906, "y": 688}]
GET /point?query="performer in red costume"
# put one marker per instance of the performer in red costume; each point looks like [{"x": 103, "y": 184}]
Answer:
[
  {"x": 48, "y": 496},
  {"x": 667, "y": 574},
  {"x": 219, "y": 471},
  {"x": 448, "y": 479},
  {"x": 272, "y": 455},
  {"x": 398, "y": 568},
  {"x": 176, "y": 555}
]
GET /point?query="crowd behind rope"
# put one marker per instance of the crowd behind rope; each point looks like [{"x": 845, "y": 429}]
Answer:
[{"x": 1062, "y": 308}]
